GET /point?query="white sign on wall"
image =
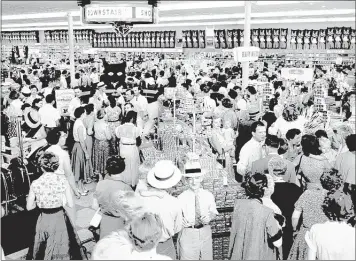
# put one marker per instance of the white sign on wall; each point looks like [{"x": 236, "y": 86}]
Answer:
[
  {"x": 298, "y": 74},
  {"x": 63, "y": 98},
  {"x": 246, "y": 54}
]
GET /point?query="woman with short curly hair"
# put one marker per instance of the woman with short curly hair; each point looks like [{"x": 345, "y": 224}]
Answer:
[
  {"x": 55, "y": 236},
  {"x": 334, "y": 239},
  {"x": 115, "y": 197},
  {"x": 309, "y": 208},
  {"x": 290, "y": 119},
  {"x": 264, "y": 233},
  {"x": 145, "y": 233}
]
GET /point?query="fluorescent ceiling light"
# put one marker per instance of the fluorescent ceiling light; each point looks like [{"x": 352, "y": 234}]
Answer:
[
  {"x": 307, "y": 20},
  {"x": 39, "y": 24},
  {"x": 267, "y": 14},
  {"x": 283, "y": 2},
  {"x": 57, "y": 28},
  {"x": 198, "y": 5},
  {"x": 39, "y": 15}
]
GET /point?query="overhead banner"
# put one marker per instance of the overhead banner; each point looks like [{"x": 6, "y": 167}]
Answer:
[
  {"x": 63, "y": 98},
  {"x": 298, "y": 74}
]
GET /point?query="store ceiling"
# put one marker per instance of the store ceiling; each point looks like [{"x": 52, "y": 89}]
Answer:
[{"x": 28, "y": 15}]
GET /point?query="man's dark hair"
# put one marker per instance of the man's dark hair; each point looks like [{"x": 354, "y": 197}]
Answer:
[
  {"x": 53, "y": 136},
  {"x": 272, "y": 141},
  {"x": 255, "y": 125},
  {"x": 292, "y": 133},
  {"x": 321, "y": 133},
  {"x": 50, "y": 98}
]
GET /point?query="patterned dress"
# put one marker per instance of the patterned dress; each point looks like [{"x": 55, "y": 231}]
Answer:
[
  {"x": 55, "y": 238},
  {"x": 310, "y": 205},
  {"x": 101, "y": 147},
  {"x": 312, "y": 168},
  {"x": 113, "y": 115}
]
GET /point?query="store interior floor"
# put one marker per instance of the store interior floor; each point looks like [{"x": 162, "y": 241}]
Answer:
[{"x": 17, "y": 231}]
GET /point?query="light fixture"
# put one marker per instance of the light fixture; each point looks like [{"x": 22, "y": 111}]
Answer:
[
  {"x": 239, "y": 22},
  {"x": 198, "y": 5},
  {"x": 39, "y": 24},
  {"x": 266, "y": 15},
  {"x": 38, "y": 15}
]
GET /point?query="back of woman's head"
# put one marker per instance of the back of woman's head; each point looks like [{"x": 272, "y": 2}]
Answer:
[
  {"x": 310, "y": 145},
  {"x": 115, "y": 165},
  {"x": 277, "y": 167},
  {"x": 269, "y": 118},
  {"x": 49, "y": 162},
  {"x": 131, "y": 116},
  {"x": 290, "y": 113},
  {"x": 331, "y": 180},
  {"x": 112, "y": 101},
  {"x": 338, "y": 206},
  {"x": 145, "y": 232},
  {"x": 115, "y": 246},
  {"x": 227, "y": 103},
  {"x": 14, "y": 95},
  {"x": 78, "y": 112},
  {"x": 89, "y": 108},
  {"x": 255, "y": 185}
]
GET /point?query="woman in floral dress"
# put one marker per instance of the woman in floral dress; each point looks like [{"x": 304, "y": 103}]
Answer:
[
  {"x": 55, "y": 238},
  {"x": 102, "y": 139},
  {"x": 309, "y": 208},
  {"x": 113, "y": 113}
]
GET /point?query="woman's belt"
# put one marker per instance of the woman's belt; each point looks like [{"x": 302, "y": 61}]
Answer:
[
  {"x": 129, "y": 144},
  {"x": 51, "y": 210},
  {"x": 114, "y": 121}
]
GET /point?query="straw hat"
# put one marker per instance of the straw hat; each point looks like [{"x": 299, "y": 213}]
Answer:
[
  {"x": 32, "y": 119},
  {"x": 193, "y": 169},
  {"x": 101, "y": 84},
  {"x": 164, "y": 175}
]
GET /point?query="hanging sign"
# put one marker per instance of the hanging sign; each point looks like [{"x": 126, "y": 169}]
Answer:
[
  {"x": 298, "y": 74},
  {"x": 118, "y": 13},
  {"x": 63, "y": 98},
  {"x": 246, "y": 54}
]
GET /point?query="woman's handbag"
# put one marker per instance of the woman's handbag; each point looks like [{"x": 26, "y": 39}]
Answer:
[{"x": 303, "y": 180}]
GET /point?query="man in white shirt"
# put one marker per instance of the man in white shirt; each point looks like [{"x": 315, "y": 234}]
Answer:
[
  {"x": 241, "y": 103},
  {"x": 94, "y": 77},
  {"x": 56, "y": 140},
  {"x": 75, "y": 103},
  {"x": 63, "y": 81},
  {"x": 252, "y": 150},
  {"x": 157, "y": 200},
  {"x": 199, "y": 209},
  {"x": 233, "y": 83},
  {"x": 162, "y": 81},
  {"x": 49, "y": 115},
  {"x": 139, "y": 102}
]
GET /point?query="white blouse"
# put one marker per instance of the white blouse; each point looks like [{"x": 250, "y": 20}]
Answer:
[{"x": 77, "y": 124}]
